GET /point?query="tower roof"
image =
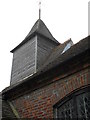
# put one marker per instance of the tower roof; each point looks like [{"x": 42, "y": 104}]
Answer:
[{"x": 38, "y": 28}]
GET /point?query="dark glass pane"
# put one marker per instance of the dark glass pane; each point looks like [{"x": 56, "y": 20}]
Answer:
[
  {"x": 66, "y": 110},
  {"x": 83, "y": 106},
  {"x": 87, "y": 105}
]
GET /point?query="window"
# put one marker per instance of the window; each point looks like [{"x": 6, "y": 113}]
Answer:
[
  {"x": 75, "y": 106},
  {"x": 67, "y": 47}
]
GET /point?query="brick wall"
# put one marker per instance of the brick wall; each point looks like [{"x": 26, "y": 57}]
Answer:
[{"x": 39, "y": 103}]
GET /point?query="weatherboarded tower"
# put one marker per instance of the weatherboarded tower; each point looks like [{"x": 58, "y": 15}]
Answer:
[{"x": 32, "y": 52}]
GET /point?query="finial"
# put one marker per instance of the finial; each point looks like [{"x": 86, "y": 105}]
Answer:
[{"x": 39, "y": 9}]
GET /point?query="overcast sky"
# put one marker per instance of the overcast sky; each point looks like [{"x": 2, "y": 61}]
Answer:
[{"x": 64, "y": 18}]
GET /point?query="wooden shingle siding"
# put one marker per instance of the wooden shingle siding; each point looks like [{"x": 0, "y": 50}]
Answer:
[
  {"x": 30, "y": 57},
  {"x": 44, "y": 48},
  {"x": 7, "y": 112},
  {"x": 24, "y": 61}
]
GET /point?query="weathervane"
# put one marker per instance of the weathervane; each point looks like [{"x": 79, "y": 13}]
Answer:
[{"x": 39, "y": 9}]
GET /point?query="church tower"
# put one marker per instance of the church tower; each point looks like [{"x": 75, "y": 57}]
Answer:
[{"x": 32, "y": 52}]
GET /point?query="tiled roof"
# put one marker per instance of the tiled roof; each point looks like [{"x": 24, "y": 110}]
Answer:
[
  {"x": 41, "y": 28},
  {"x": 57, "y": 52},
  {"x": 38, "y": 28},
  {"x": 78, "y": 48}
]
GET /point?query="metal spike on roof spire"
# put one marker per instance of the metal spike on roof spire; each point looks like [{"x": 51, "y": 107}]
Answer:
[{"x": 39, "y": 9}]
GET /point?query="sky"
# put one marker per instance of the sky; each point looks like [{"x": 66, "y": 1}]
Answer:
[{"x": 64, "y": 18}]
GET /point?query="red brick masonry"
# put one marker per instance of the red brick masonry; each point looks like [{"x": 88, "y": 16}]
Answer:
[{"x": 39, "y": 103}]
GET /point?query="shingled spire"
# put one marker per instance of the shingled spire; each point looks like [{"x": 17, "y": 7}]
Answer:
[
  {"x": 40, "y": 28},
  {"x": 32, "y": 52}
]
